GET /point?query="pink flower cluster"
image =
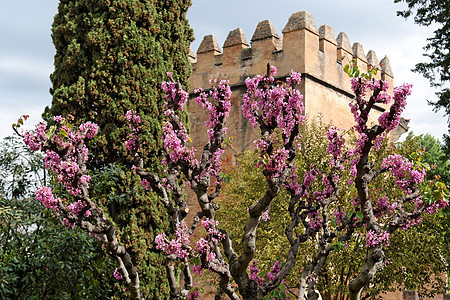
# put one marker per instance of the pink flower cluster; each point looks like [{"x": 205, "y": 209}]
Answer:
[
  {"x": 440, "y": 204},
  {"x": 89, "y": 129},
  {"x": 354, "y": 155},
  {"x": 219, "y": 110},
  {"x": 292, "y": 182},
  {"x": 117, "y": 275},
  {"x": 405, "y": 175},
  {"x": 193, "y": 295},
  {"x": 175, "y": 95},
  {"x": 265, "y": 216},
  {"x": 315, "y": 221},
  {"x": 391, "y": 118},
  {"x": 45, "y": 196},
  {"x": 197, "y": 269},
  {"x": 327, "y": 190},
  {"x": 179, "y": 246},
  {"x": 339, "y": 216},
  {"x": 274, "y": 270},
  {"x": 309, "y": 177},
  {"x": 254, "y": 273},
  {"x": 359, "y": 106},
  {"x": 134, "y": 120},
  {"x": 71, "y": 144},
  {"x": 204, "y": 248},
  {"x": 277, "y": 105},
  {"x": 383, "y": 205},
  {"x": 413, "y": 222},
  {"x": 77, "y": 206},
  {"x": 146, "y": 184},
  {"x": 175, "y": 142},
  {"x": 336, "y": 142},
  {"x": 273, "y": 105},
  {"x": 63, "y": 150},
  {"x": 35, "y": 139},
  {"x": 211, "y": 228},
  {"x": 277, "y": 161},
  {"x": 373, "y": 238},
  {"x": 203, "y": 245},
  {"x": 175, "y": 134}
]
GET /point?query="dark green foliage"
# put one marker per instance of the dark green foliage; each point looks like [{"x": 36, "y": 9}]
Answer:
[
  {"x": 139, "y": 219},
  {"x": 436, "y": 69},
  {"x": 111, "y": 57},
  {"x": 39, "y": 257}
]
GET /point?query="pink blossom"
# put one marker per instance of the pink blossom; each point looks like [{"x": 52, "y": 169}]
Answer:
[
  {"x": 202, "y": 245},
  {"x": 336, "y": 142},
  {"x": 178, "y": 246},
  {"x": 117, "y": 275},
  {"x": 146, "y": 184},
  {"x": 315, "y": 221},
  {"x": 437, "y": 205},
  {"x": 274, "y": 270},
  {"x": 77, "y": 206},
  {"x": 35, "y": 139},
  {"x": 373, "y": 238},
  {"x": 85, "y": 178},
  {"x": 253, "y": 273},
  {"x": 265, "y": 216},
  {"x": 211, "y": 256},
  {"x": 340, "y": 216},
  {"x": 89, "y": 128},
  {"x": 45, "y": 196},
  {"x": 197, "y": 269},
  {"x": 404, "y": 172},
  {"x": 276, "y": 103},
  {"x": 193, "y": 295},
  {"x": 391, "y": 118}
]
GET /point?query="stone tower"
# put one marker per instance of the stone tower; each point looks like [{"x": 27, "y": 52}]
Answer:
[{"x": 316, "y": 53}]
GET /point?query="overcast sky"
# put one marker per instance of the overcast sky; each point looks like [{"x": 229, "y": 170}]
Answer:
[{"x": 26, "y": 49}]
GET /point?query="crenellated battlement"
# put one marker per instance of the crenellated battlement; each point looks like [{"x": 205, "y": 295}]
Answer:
[
  {"x": 318, "y": 54},
  {"x": 302, "y": 47}
]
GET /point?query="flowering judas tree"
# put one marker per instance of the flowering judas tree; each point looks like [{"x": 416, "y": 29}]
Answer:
[
  {"x": 66, "y": 154},
  {"x": 318, "y": 209},
  {"x": 277, "y": 109}
]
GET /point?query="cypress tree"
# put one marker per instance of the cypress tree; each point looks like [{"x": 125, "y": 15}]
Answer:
[{"x": 111, "y": 57}]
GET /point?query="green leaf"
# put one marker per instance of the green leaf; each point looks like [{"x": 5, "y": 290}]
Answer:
[
  {"x": 348, "y": 215},
  {"x": 359, "y": 215},
  {"x": 346, "y": 68},
  {"x": 338, "y": 246},
  {"x": 440, "y": 184},
  {"x": 437, "y": 195},
  {"x": 196, "y": 260},
  {"x": 50, "y": 132},
  {"x": 62, "y": 133}
]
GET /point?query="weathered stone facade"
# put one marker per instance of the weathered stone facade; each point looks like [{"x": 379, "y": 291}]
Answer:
[{"x": 316, "y": 53}]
